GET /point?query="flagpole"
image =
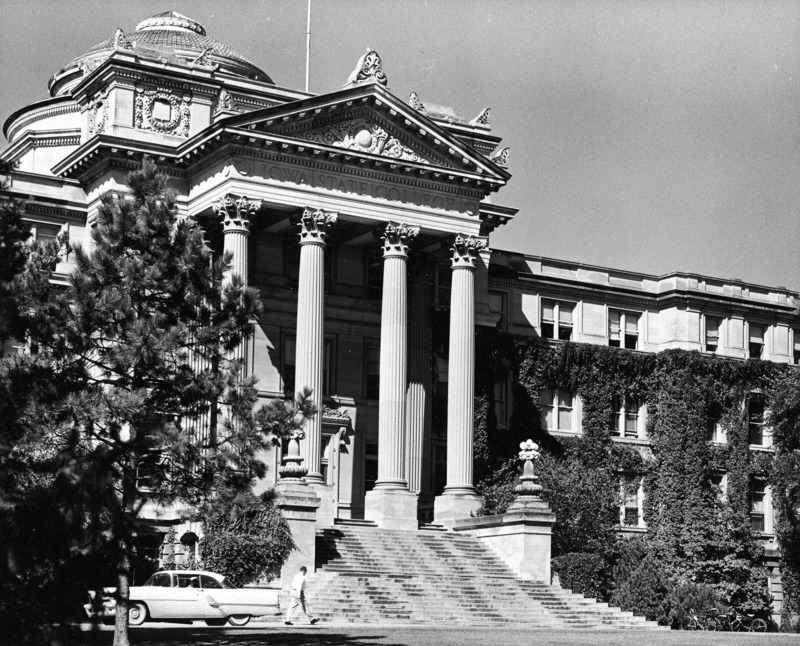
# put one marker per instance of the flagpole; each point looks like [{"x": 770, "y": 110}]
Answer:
[{"x": 308, "y": 44}]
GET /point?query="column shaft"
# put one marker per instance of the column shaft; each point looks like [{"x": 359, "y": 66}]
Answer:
[{"x": 310, "y": 342}]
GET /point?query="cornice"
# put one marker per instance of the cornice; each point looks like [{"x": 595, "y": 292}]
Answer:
[{"x": 38, "y": 111}]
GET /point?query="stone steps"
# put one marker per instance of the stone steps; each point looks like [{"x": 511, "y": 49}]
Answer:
[{"x": 366, "y": 574}]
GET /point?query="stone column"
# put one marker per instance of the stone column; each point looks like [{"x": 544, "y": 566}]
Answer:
[
  {"x": 459, "y": 497},
  {"x": 310, "y": 343},
  {"x": 390, "y": 503},
  {"x": 418, "y": 398}
]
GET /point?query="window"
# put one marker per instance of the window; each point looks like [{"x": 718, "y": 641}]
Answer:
[
  {"x": 719, "y": 485},
  {"x": 758, "y": 496},
  {"x": 625, "y": 420},
  {"x": 289, "y": 346},
  {"x": 289, "y": 367},
  {"x": 501, "y": 402},
  {"x": 160, "y": 580},
  {"x": 756, "y": 341},
  {"x": 372, "y": 371},
  {"x": 755, "y": 419},
  {"x": 712, "y": 333},
  {"x": 714, "y": 431},
  {"x": 623, "y": 329},
  {"x": 370, "y": 465},
  {"x": 210, "y": 583},
  {"x": 557, "y": 320},
  {"x": 796, "y": 334},
  {"x": 498, "y": 308},
  {"x": 46, "y": 232},
  {"x": 630, "y": 512},
  {"x": 558, "y": 410}
]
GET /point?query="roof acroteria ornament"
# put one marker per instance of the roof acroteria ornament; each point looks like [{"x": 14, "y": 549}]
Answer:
[{"x": 369, "y": 69}]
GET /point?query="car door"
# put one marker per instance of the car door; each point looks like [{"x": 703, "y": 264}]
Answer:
[
  {"x": 212, "y": 593},
  {"x": 185, "y": 598},
  {"x": 156, "y": 593}
]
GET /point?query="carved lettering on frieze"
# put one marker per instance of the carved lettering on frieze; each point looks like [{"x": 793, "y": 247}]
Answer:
[
  {"x": 159, "y": 110},
  {"x": 363, "y": 136}
]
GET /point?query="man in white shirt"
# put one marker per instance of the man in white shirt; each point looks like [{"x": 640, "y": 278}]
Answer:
[{"x": 298, "y": 598}]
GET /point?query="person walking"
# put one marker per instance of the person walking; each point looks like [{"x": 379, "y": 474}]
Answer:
[{"x": 298, "y": 598}]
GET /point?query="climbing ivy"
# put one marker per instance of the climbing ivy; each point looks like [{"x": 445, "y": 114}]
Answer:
[{"x": 696, "y": 534}]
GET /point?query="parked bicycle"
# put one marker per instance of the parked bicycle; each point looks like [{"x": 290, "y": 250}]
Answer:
[
  {"x": 744, "y": 622},
  {"x": 692, "y": 621}
]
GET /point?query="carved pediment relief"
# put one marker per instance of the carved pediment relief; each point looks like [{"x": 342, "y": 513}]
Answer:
[{"x": 362, "y": 135}]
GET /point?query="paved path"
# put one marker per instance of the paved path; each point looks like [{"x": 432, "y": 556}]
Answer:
[{"x": 385, "y": 635}]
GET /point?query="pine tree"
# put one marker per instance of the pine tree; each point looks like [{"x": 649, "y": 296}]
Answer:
[{"x": 144, "y": 339}]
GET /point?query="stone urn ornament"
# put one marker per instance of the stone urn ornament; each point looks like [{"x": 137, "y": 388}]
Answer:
[{"x": 528, "y": 485}]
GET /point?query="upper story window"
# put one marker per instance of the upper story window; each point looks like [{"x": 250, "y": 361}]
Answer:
[
  {"x": 755, "y": 419},
  {"x": 759, "y": 506},
  {"x": 714, "y": 431},
  {"x": 719, "y": 485},
  {"x": 796, "y": 334},
  {"x": 756, "y": 341},
  {"x": 501, "y": 402},
  {"x": 289, "y": 367},
  {"x": 557, "y": 320},
  {"x": 626, "y": 418},
  {"x": 498, "y": 307},
  {"x": 623, "y": 329},
  {"x": 558, "y": 410},
  {"x": 713, "y": 325},
  {"x": 631, "y": 505},
  {"x": 372, "y": 370}
]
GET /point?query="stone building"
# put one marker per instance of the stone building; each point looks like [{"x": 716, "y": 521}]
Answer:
[{"x": 365, "y": 221}]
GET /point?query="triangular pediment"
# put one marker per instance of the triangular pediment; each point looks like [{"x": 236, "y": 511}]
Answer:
[{"x": 368, "y": 120}]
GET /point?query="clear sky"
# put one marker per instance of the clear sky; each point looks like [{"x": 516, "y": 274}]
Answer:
[{"x": 645, "y": 135}]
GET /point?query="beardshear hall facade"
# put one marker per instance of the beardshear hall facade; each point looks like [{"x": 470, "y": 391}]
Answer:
[{"x": 365, "y": 221}]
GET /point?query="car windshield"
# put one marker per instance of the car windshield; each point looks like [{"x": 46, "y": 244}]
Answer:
[{"x": 160, "y": 579}]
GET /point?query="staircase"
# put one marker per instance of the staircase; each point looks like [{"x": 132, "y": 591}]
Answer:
[{"x": 370, "y": 575}]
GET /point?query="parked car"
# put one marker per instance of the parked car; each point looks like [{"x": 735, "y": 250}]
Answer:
[{"x": 188, "y": 594}]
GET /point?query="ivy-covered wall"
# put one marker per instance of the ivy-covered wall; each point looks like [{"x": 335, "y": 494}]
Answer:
[{"x": 697, "y": 535}]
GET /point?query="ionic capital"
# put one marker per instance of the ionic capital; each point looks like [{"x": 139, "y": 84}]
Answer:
[
  {"x": 314, "y": 225},
  {"x": 396, "y": 238},
  {"x": 464, "y": 249},
  {"x": 236, "y": 214}
]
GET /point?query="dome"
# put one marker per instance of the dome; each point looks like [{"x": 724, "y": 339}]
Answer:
[{"x": 171, "y": 36}]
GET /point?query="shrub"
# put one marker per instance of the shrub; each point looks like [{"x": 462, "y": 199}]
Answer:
[
  {"x": 687, "y": 596},
  {"x": 583, "y": 573},
  {"x": 644, "y": 590}
]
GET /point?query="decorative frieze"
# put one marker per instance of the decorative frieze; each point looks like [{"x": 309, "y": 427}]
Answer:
[
  {"x": 160, "y": 110},
  {"x": 464, "y": 250},
  {"x": 98, "y": 113},
  {"x": 363, "y": 136},
  {"x": 396, "y": 238},
  {"x": 314, "y": 225}
]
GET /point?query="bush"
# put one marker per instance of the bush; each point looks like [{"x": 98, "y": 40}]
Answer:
[
  {"x": 583, "y": 573},
  {"x": 687, "y": 596},
  {"x": 644, "y": 589}
]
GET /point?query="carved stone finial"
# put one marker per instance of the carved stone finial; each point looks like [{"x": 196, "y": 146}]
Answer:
[
  {"x": 396, "y": 238},
  {"x": 292, "y": 463},
  {"x": 118, "y": 38},
  {"x": 528, "y": 485},
  {"x": 314, "y": 224},
  {"x": 369, "y": 69},
  {"x": 236, "y": 214},
  {"x": 415, "y": 103},
  {"x": 225, "y": 101},
  {"x": 501, "y": 157},
  {"x": 464, "y": 249},
  {"x": 482, "y": 118}
]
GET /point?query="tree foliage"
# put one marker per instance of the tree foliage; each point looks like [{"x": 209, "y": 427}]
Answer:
[
  {"x": 151, "y": 405},
  {"x": 246, "y": 538}
]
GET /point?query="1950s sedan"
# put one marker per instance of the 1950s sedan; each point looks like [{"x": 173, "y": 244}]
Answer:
[{"x": 190, "y": 594}]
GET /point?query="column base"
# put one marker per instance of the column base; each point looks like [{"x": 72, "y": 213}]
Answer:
[
  {"x": 392, "y": 508},
  {"x": 450, "y": 507}
]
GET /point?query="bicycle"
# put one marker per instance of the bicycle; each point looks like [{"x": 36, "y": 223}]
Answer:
[
  {"x": 713, "y": 621},
  {"x": 692, "y": 621},
  {"x": 748, "y": 623}
]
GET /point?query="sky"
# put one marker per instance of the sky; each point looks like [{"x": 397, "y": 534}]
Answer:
[{"x": 646, "y": 135}]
